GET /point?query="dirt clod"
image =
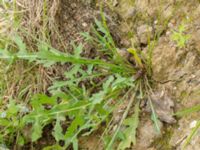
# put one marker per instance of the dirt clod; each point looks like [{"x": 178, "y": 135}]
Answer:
[
  {"x": 163, "y": 106},
  {"x": 144, "y": 33},
  {"x": 146, "y": 134}
]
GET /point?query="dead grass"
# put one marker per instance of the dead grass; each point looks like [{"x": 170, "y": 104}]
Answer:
[
  {"x": 28, "y": 19},
  {"x": 49, "y": 21}
]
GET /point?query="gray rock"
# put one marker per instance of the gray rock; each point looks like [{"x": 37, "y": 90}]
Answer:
[
  {"x": 163, "y": 106},
  {"x": 145, "y": 33}
]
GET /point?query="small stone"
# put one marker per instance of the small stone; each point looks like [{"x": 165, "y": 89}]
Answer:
[
  {"x": 193, "y": 124},
  {"x": 163, "y": 105},
  {"x": 144, "y": 32},
  {"x": 170, "y": 25},
  {"x": 3, "y": 115},
  {"x": 193, "y": 76},
  {"x": 125, "y": 42},
  {"x": 168, "y": 33},
  {"x": 115, "y": 3},
  {"x": 73, "y": 5},
  {"x": 3, "y": 147},
  {"x": 24, "y": 109},
  {"x": 173, "y": 21},
  {"x": 8, "y": 1},
  {"x": 84, "y": 24},
  {"x": 156, "y": 22},
  {"x": 130, "y": 13},
  {"x": 168, "y": 12}
]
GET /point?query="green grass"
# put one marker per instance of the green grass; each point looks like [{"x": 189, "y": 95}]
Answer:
[
  {"x": 81, "y": 100},
  {"x": 185, "y": 112},
  {"x": 77, "y": 101},
  {"x": 191, "y": 135}
]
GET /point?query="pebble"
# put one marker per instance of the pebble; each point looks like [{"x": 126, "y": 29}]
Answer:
[
  {"x": 115, "y": 3},
  {"x": 144, "y": 32},
  {"x": 130, "y": 13},
  {"x": 8, "y": 1},
  {"x": 84, "y": 24},
  {"x": 3, "y": 115},
  {"x": 193, "y": 124}
]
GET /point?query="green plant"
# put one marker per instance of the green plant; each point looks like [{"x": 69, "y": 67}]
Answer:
[
  {"x": 130, "y": 132},
  {"x": 192, "y": 134},
  {"x": 78, "y": 101},
  {"x": 86, "y": 95},
  {"x": 10, "y": 122},
  {"x": 180, "y": 37},
  {"x": 186, "y": 112}
]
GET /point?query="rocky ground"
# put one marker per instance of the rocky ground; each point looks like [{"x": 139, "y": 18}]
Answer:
[{"x": 175, "y": 69}]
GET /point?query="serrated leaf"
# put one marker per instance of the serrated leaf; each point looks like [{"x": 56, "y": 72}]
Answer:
[
  {"x": 41, "y": 99},
  {"x": 108, "y": 83},
  {"x": 180, "y": 37},
  {"x": 73, "y": 71},
  {"x": 101, "y": 110},
  {"x": 13, "y": 108},
  {"x": 5, "y": 54},
  {"x": 154, "y": 117},
  {"x": 78, "y": 121},
  {"x": 36, "y": 130},
  {"x": 4, "y": 122},
  {"x": 58, "y": 131},
  {"x": 21, "y": 140},
  {"x": 70, "y": 135},
  {"x": 101, "y": 27},
  {"x": 130, "y": 131},
  {"x": 21, "y": 45},
  {"x": 122, "y": 82},
  {"x": 78, "y": 50},
  {"x": 87, "y": 36},
  {"x": 97, "y": 98},
  {"x": 75, "y": 144}
]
